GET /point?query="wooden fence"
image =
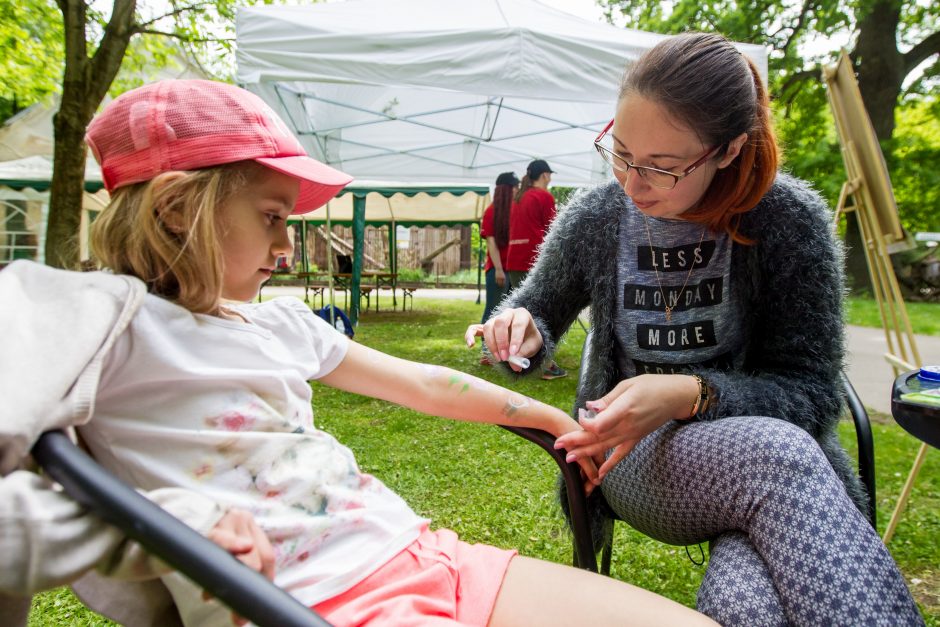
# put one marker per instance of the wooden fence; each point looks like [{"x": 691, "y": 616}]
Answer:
[{"x": 420, "y": 243}]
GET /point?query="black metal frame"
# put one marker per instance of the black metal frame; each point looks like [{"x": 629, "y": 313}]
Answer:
[{"x": 244, "y": 590}]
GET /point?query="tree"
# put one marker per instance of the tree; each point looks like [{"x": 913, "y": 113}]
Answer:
[
  {"x": 871, "y": 29},
  {"x": 30, "y": 67},
  {"x": 95, "y": 48},
  {"x": 787, "y": 28}
]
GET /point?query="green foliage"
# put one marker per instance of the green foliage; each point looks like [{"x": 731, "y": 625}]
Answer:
[
  {"x": 804, "y": 122},
  {"x": 915, "y": 164},
  {"x": 170, "y": 36},
  {"x": 31, "y": 53},
  {"x": 490, "y": 486},
  {"x": 562, "y": 194},
  {"x": 409, "y": 275}
]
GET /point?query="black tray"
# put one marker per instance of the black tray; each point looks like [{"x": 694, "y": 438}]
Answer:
[{"x": 921, "y": 421}]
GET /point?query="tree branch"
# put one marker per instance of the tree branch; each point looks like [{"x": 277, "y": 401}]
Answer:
[
  {"x": 921, "y": 52},
  {"x": 200, "y": 6},
  {"x": 199, "y": 40},
  {"x": 798, "y": 77},
  {"x": 107, "y": 59},
  {"x": 800, "y": 23}
]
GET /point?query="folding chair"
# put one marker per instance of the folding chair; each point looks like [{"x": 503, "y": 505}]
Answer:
[
  {"x": 242, "y": 589},
  {"x": 584, "y": 556}
]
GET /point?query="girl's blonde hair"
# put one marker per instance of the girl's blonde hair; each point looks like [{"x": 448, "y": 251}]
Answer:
[{"x": 168, "y": 232}]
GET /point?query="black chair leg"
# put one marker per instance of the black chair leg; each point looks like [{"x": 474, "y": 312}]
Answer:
[
  {"x": 866, "y": 447},
  {"x": 577, "y": 502},
  {"x": 606, "y": 554}
]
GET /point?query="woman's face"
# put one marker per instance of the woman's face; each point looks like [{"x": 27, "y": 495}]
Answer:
[{"x": 644, "y": 134}]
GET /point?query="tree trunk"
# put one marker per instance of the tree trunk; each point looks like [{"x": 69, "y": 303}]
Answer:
[
  {"x": 84, "y": 86},
  {"x": 66, "y": 190},
  {"x": 880, "y": 75},
  {"x": 881, "y": 67}
]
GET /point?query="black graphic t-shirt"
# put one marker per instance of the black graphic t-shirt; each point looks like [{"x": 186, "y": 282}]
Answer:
[{"x": 704, "y": 329}]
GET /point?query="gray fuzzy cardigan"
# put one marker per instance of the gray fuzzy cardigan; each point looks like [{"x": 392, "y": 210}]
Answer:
[{"x": 789, "y": 283}]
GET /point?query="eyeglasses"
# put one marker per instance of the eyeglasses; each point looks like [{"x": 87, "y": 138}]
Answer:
[{"x": 654, "y": 176}]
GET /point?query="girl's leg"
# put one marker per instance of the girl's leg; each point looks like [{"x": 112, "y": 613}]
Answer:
[
  {"x": 541, "y": 593},
  {"x": 692, "y": 482},
  {"x": 737, "y": 589}
]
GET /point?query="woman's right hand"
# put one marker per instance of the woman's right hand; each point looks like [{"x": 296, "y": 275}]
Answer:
[
  {"x": 500, "y": 277},
  {"x": 511, "y": 332}
]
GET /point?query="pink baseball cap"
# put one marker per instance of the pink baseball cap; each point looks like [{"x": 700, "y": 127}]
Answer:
[{"x": 195, "y": 124}]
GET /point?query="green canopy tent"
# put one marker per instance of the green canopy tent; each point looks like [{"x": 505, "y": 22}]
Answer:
[{"x": 392, "y": 204}]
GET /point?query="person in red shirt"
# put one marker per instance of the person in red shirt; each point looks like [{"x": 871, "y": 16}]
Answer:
[
  {"x": 528, "y": 223},
  {"x": 495, "y": 229}
]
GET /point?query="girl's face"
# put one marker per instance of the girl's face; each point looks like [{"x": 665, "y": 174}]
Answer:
[
  {"x": 254, "y": 232},
  {"x": 644, "y": 134}
]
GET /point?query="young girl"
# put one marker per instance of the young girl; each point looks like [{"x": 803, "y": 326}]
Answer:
[
  {"x": 714, "y": 284},
  {"x": 207, "y": 393}
]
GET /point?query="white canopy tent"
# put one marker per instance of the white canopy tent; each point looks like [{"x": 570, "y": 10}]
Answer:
[{"x": 441, "y": 90}]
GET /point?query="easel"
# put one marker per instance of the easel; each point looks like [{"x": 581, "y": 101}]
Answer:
[{"x": 869, "y": 188}]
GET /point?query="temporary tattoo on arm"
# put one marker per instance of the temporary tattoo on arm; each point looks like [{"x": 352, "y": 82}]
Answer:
[
  {"x": 430, "y": 371},
  {"x": 514, "y": 403},
  {"x": 466, "y": 381}
]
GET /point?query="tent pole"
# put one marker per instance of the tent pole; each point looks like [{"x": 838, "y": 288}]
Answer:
[
  {"x": 393, "y": 260},
  {"x": 359, "y": 229},
  {"x": 329, "y": 264}
]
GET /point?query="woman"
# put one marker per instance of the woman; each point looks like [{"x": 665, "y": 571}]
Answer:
[
  {"x": 712, "y": 389},
  {"x": 534, "y": 213},
  {"x": 495, "y": 229}
]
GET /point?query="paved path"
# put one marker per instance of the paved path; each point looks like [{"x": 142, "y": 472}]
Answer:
[
  {"x": 869, "y": 372},
  {"x": 871, "y": 375}
]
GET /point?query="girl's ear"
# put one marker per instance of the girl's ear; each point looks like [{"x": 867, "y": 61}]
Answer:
[
  {"x": 167, "y": 211},
  {"x": 734, "y": 149}
]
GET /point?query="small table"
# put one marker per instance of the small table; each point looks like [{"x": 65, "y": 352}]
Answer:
[
  {"x": 919, "y": 419},
  {"x": 386, "y": 280}
]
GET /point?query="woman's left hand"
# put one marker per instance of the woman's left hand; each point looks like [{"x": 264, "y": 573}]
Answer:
[
  {"x": 632, "y": 410},
  {"x": 587, "y": 463}
]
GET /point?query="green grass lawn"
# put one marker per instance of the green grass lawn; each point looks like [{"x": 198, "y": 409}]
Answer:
[
  {"x": 925, "y": 317},
  {"x": 491, "y": 486}
]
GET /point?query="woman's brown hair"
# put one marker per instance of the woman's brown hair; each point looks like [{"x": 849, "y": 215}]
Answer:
[
  {"x": 705, "y": 83},
  {"x": 525, "y": 186},
  {"x": 502, "y": 205},
  {"x": 167, "y": 232}
]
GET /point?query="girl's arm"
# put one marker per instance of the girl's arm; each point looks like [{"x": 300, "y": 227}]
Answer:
[{"x": 444, "y": 392}]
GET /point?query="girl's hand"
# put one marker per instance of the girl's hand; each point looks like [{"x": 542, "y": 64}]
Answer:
[
  {"x": 239, "y": 534},
  {"x": 512, "y": 332},
  {"x": 631, "y": 411},
  {"x": 500, "y": 277}
]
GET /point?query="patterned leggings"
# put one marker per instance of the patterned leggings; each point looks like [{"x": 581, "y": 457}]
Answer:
[{"x": 788, "y": 546}]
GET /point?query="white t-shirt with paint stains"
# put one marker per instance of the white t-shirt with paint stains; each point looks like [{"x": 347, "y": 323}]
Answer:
[{"x": 223, "y": 408}]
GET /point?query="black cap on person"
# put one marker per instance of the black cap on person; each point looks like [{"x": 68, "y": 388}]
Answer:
[{"x": 537, "y": 168}]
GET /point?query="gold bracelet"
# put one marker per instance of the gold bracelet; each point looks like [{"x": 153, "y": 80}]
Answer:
[{"x": 701, "y": 400}]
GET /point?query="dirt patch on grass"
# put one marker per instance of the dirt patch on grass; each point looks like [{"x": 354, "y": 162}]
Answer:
[{"x": 925, "y": 587}]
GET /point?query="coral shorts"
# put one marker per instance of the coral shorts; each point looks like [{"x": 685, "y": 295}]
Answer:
[{"x": 437, "y": 580}]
